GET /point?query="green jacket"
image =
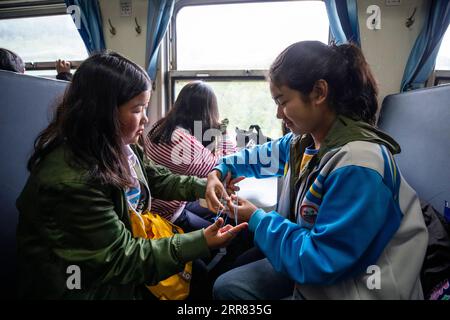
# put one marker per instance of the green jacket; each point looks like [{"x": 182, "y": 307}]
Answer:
[{"x": 65, "y": 220}]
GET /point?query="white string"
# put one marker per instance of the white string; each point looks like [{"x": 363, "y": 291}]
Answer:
[
  {"x": 222, "y": 251},
  {"x": 223, "y": 202},
  {"x": 236, "y": 209}
]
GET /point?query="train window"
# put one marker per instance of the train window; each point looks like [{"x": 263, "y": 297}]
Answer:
[
  {"x": 232, "y": 45},
  {"x": 43, "y": 39},
  {"x": 243, "y": 109},
  {"x": 245, "y": 36},
  {"x": 443, "y": 58},
  {"x": 441, "y": 74}
]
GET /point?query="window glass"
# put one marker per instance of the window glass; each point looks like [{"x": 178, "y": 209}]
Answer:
[
  {"x": 245, "y": 35},
  {"x": 443, "y": 58},
  {"x": 40, "y": 39}
]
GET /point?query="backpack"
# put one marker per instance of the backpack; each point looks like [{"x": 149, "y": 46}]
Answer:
[
  {"x": 150, "y": 225},
  {"x": 435, "y": 273},
  {"x": 251, "y": 137}
]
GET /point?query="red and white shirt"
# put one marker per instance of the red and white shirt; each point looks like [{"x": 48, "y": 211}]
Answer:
[{"x": 186, "y": 155}]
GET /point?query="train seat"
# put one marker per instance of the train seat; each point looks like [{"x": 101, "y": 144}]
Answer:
[
  {"x": 419, "y": 121},
  {"x": 25, "y": 103}
]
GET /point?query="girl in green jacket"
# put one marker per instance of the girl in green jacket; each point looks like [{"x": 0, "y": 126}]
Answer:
[{"x": 86, "y": 174}]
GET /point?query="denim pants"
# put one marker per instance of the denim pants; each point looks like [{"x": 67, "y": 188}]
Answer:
[
  {"x": 254, "y": 281},
  {"x": 194, "y": 217}
]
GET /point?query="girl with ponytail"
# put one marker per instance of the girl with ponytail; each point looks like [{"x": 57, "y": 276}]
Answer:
[{"x": 351, "y": 227}]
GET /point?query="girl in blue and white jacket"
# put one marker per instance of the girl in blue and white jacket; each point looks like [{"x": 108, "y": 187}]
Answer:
[{"x": 351, "y": 227}]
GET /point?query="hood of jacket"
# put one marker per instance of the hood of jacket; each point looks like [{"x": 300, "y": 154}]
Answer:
[{"x": 345, "y": 130}]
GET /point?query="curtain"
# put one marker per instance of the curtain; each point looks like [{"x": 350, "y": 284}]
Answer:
[
  {"x": 158, "y": 19},
  {"x": 343, "y": 17},
  {"x": 422, "y": 58},
  {"x": 91, "y": 26}
]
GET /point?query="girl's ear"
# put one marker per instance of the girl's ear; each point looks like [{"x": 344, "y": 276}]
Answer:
[{"x": 320, "y": 91}]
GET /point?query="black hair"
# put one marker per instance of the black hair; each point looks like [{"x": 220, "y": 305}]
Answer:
[
  {"x": 352, "y": 87},
  {"x": 10, "y": 61},
  {"x": 87, "y": 118},
  {"x": 195, "y": 102}
]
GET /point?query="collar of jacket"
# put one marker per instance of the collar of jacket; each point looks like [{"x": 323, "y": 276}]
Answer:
[
  {"x": 345, "y": 130},
  {"x": 120, "y": 197}
]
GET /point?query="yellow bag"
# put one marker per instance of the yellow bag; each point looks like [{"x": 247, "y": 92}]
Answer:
[{"x": 152, "y": 226}]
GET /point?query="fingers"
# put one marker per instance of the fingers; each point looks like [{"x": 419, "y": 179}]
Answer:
[
  {"x": 231, "y": 187},
  {"x": 212, "y": 199},
  {"x": 240, "y": 227},
  {"x": 63, "y": 65},
  {"x": 230, "y": 232},
  {"x": 233, "y": 231},
  {"x": 226, "y": 228},
  {"x": 236, "y": 180},
  {"x": 227, "y": 179},
  {"x": 218, "y": 236},
  {"x": 216, "y": 174},
  {"x": 230, "y": 202},
  {"x": 214, "y": 191},
  {"x": 215, "y": 227},
  {"x": 210, "y": 203},
  {"x": 240, "y": 201}
]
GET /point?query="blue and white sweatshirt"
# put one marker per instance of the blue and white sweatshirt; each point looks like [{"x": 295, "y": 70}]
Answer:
[{"x": 357, "y": 229}]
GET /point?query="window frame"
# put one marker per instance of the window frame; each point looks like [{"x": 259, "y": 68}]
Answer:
[
  {"x": 36, "y": 66},
  {"x": 26, "y": 9},
  {"x": 212, "y": 75},
  {"x": 437, "y": 78}
]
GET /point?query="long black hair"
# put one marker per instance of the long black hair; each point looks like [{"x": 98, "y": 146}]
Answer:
[
  {"x": 195, "y": 102},
  {"x": 352, "y": 87},
  {"x": 87, "y": 118}
]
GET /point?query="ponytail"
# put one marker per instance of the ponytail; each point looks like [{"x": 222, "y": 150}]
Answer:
[
  {"x": 359, "y": 99},
  {"x": 352, "y": 87}
]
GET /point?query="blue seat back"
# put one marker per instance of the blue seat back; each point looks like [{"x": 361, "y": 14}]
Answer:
[
  {"x": 25, "y": 109},
  {"x": 419, "y": 121}
]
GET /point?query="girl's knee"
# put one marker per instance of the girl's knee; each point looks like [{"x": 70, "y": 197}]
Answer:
[{"x": 220, "y": 289}]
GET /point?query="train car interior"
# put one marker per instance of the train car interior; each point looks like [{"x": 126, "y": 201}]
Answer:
[{"x": 230, "y": 45}]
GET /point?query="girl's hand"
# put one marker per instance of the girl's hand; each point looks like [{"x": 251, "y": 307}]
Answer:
[
  {"x": 245, "y": 208},
  {"x": 231, "y": 183},
  {"x": 218, "y": 236},
  {"x": 215, "y": 189},
  {"x": 62, "y": 66}
]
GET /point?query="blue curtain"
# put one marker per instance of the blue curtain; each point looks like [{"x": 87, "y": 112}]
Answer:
[
  {"x": 91, "y": 27},
  {"x": 343, "y": 17},
  {"x": 158, "y": 19},
  {"x": 422, "y": 58}
]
